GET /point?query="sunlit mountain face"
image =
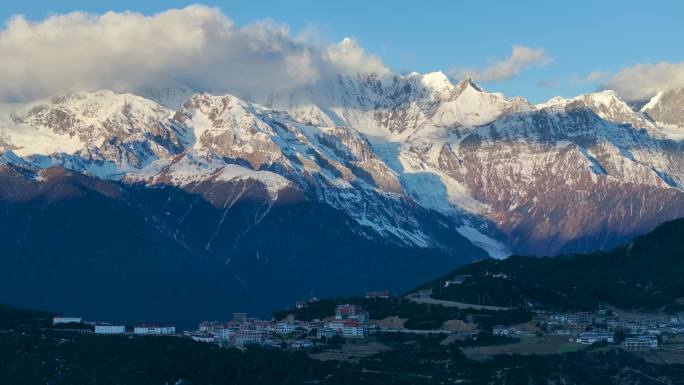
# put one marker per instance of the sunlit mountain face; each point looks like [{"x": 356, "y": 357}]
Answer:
[{"x": 223, "y": 161}]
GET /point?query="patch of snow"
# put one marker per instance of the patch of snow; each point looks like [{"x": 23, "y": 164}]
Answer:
[
  {"x": 595, "y": 165},
  {"x": 494, "y": 248},
  {"x": 554, "y": 101},
  {"x": 29, "y": 140},
  {"x": 194, "y": 167},
  {"x": 271, "y": 180},
  {"x": 652, "y": 103},
  {"x": 436, "y": 81},
  {"x": 604, "y": 98}
]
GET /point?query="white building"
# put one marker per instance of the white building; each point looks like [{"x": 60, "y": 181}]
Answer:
[
  {"x": 147, "y": 329},
  {"x": 353, "y": 329},
  {"x": 590, "y": 338},
  {"x": 303, "y": 344},
  {"x": 109, "y": 329},
  {"x": 208, "y": 326},
  {"x": 223, "y": 332},
  {"x": 500, "y": 330},
  {"x": 326, "y": 332},
  {"x": 508, "y": 331},
  {"x": 247, "y": 337},
  {"x": 286, "y": 327},
  {"x": 457, "y": 280},
  {"x": 348, "y": 327},
  {"x": 65, "y": 320},
  {"x": 644, "y": 342}
]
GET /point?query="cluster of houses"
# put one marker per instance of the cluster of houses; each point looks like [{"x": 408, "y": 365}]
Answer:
[
  {"x": 595, "y": 337},
  {"x": 592, "y": 328},
  {"x": 634, "y": 343},
  {"x": 107, "y": 328},
  {"x": 573, "y": 323},
  {"x": 352, "y": 321},
  {"x": 509, "y": 331},
  {"x": 589, "y": 328},
  {"x": 240, "y": 331},
  {"x": 349, "y": 321}
]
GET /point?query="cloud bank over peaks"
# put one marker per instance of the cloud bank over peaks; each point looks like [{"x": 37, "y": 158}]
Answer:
[
  {"x": 643, "y": 81},
  {"x": 198, "y": 47}
]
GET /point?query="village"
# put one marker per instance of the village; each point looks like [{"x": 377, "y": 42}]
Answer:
[
  {"x": 633, "y": 332},
  {"x": 349, "y": 321},
  {"x": 107, "y": 328}
]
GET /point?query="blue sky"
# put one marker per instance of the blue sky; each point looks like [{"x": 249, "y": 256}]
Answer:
[{"x": 579, "y": 37}]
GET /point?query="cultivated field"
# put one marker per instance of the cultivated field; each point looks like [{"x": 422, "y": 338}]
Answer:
[{"x": 527, "y": 345}]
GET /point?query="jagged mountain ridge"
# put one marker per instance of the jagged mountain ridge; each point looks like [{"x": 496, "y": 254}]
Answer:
[
  {"x": 563, "y": 179},
  {"x": 593, "y": 196},
  {"x": 226, "y": 139},
  {"x": 391, "y": 152}
]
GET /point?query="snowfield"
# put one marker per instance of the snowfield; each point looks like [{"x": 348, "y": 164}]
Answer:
[{"x": 387, "y": 150}]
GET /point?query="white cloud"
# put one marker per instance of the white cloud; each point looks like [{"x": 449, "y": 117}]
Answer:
[
  {"x": 592, "y": 77},
  {"x": 196, "y": 46},
  {"x": 643, "y": 81},
  {"x": 349, "y": 57},
  {"x": 521, "y": 57}
]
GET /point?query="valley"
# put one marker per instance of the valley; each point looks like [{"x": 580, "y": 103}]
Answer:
[
  {"x": 392, "y": 180},
  {"x": 341, "y": 193},
  {"x": 402, "y": 338}
]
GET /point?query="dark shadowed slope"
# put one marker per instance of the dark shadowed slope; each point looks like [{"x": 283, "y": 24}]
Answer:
[
  {"x": 646, "y": 273},
  {"x": 77, "y": 244}
]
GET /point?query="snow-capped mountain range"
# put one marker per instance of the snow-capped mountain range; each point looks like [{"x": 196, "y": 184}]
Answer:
[{"x": 414, "y": 160}]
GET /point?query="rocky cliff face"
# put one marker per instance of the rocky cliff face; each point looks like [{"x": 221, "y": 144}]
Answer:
[
  {"x": 566, "y": 175},
  {"x": 667, "y": 109},
  {"x": 562, "y": 178}
]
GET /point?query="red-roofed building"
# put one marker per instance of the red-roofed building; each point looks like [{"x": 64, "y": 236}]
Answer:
[
  {"x": 343, "y": 312},
  {"x": 348, "y": 327},
  {"x": 207, "y": 326}
]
